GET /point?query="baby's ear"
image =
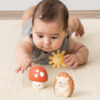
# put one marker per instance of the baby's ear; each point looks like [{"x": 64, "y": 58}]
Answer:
[
  {"x": 67, "y": 29},
  {"x": 66, "y": 32}
]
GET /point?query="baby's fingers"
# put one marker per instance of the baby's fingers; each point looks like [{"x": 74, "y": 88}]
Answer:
[
  {"x": 71, "y": 63},
  {"x": 25, "y": 67},
  {"x": 76, "y": 34},
  {"x": 66, "y": 56},
  {"x": 22, "y": 69},
  {"x": 18, "y": 69},
  {"x": 32, "y": 64},
  {"x": 75, "y": 65},
  {"x": 66, "y": 60},
  {"x": 29, "y": 65}
]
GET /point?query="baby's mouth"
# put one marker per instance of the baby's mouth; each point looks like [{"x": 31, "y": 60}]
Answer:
[{"x": 47, "y": 50}]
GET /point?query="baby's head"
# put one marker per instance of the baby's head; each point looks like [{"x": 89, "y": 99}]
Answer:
[{"x": 49, "y": 24}]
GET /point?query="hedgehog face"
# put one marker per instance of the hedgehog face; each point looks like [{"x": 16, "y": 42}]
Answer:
[{"x": 62, "y": 82}]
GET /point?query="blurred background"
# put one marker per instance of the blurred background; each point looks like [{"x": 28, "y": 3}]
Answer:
[
  {"x": 21, "y": 5},
  {"x": 14, "y": 9}
]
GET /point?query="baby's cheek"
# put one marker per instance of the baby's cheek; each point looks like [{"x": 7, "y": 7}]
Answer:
[
  {"x": 57, "y": 44},
  {"x": 37, "y": 43}
]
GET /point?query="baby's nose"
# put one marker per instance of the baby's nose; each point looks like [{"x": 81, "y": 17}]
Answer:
[{"x": 47, "y": 42}]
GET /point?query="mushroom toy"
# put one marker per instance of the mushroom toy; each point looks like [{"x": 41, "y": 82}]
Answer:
[{"x": 38, "y": 75}]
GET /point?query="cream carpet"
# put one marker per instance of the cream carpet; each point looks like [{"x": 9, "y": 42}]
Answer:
[{"x": 18, "y": 87}]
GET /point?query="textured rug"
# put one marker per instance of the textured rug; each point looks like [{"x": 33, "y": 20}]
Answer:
[{"x": 18, "y": 87}]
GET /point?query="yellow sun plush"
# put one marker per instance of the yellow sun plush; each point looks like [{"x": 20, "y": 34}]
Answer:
[{"x": 57, "y": 59}]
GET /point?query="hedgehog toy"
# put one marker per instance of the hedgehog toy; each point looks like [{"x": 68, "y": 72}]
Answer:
[{"x": 63, "y": 85}]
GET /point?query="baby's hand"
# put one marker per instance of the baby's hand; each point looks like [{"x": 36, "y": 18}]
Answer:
[
  {"x": 71, "y": 60},
  {"x": 24, "y": 64}
]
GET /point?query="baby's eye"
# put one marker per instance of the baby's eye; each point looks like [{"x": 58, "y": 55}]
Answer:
[
  {"x": 40, "y": 36},
  {"x": 54, "y": 37}
]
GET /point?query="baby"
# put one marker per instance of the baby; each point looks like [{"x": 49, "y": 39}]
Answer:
[{"x": 47, "y": 28}]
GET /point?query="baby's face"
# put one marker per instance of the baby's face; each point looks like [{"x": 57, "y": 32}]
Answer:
[{"x": 48, "y": 36}]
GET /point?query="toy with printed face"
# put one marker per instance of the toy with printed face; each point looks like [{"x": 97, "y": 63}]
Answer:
[
  {"x": 38, "y": 76},
  {"x": 63, "y": 85},
  {"x": 57, "y": 59}
]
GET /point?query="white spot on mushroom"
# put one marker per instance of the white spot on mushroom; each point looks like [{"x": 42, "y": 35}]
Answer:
[
  {"x": 41, "y": 74},
  {"x": 37, "y": 70},
  {"x": 36, "y": 75}
]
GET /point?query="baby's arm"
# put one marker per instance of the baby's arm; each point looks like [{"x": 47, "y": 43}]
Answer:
[
  {"x": 78, "y": 54},
  {"x": 22, "y": 54},
  {"x": 80, "y": 50}
]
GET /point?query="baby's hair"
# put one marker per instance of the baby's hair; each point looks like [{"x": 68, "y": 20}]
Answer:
[{"x": 51, "y": 10}]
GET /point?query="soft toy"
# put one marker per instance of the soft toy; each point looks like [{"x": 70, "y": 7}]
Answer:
[
  {"x": 57, "y": 59},
  {"x": 63, "y": 85},
  {"x": 38, "y": 75}
]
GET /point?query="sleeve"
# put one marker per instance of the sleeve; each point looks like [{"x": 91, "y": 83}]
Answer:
[
  {"x": 27, "y": 29},
  {"x": 66, "y": 42}
]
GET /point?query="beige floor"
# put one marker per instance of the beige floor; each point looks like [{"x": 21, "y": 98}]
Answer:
[{"x": 18, "y": 87}]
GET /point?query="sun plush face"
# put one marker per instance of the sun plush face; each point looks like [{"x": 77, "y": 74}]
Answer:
[{"x": 57, "y": 59}]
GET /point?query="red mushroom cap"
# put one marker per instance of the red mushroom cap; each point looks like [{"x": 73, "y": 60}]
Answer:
[{"x": 38, "y": 74}]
